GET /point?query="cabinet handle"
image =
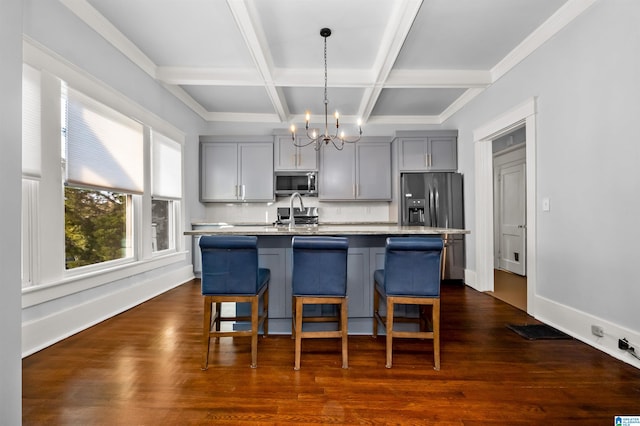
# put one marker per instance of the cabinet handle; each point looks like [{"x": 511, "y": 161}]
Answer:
[
  {"x": 244, "y": 187},
  {"x": 426, "y": 160},
  {"x": 299, "y": 163}
]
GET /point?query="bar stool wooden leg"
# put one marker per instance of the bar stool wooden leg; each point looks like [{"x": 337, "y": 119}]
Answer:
[
  {"x": 390, "y": 308},
  {"x": 344, "y": 320},
  {"x": 206, "y": 329},
  {"x": 436, "y": 333},
  {"x": 298, "y": 331},
  {"x": 254, "y": 331},
  {"x": 376, "y": 310}
]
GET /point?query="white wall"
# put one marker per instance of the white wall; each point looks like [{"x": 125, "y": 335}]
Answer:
[
  {"x": 586, "y": 85},
  {"x": 10, "y": 192},
  {"x": 65, "y": 305}
]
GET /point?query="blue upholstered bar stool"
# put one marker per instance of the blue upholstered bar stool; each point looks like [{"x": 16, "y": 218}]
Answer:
[
  {"x": 411, "y": 275},
  {"x": 319, "y": 277},
  {"x": 230, "y": 273}
]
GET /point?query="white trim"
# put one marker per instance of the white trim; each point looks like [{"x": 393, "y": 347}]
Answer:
[
  {"x": 578, "y": 325},
  {"x": 45, "y": 331},
  {"x": 457, "y": 105},
  {"x": 483, "y": 136},
  {"x": 556, "y": 22},
  {"x": 40, "y": 57},
  {"x": 106, "y": 29},
  {"x": 395, "y": 34},
  {"x": 32, "y": 296}
]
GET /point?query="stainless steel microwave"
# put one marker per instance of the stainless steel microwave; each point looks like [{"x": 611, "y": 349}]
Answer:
[{"x": 306, "y": 183}]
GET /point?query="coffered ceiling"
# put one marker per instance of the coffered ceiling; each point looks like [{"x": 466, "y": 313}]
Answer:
[{"x": 389, "y": 61}]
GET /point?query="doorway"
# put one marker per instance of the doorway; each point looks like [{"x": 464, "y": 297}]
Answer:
[
  {"x": 510, "y": 221},
  {"x": 523, "y": 115}
]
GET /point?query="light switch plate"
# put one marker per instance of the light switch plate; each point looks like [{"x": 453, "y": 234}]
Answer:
[{"x": 545, "y": 205}]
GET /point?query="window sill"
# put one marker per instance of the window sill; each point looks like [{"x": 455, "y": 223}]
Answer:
[{"x": 35, "y": 295}]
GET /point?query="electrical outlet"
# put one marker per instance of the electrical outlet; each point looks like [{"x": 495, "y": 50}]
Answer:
[{"x": 596, "y": 330}]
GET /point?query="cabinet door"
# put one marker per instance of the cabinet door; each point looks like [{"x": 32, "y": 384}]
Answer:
[
  {"x": 218, "y": 172},
  {"x": 373, "y": 166},
  {"x": 256, "y": 171},
  {"x": 307, "y": 158},
  {"x": 413, "y": 154},
  {"x": 274, "y": 259},
  {"x": 290, "y": 157},
  {"x": 286, "y": 154},
  {"x": 337, "y": 173},
  {"x": 359, "y": 287},
  {"x": 443, "y": 154}
]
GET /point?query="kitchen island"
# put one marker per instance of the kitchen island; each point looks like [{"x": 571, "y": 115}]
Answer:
[{"x": 366, "y": 254}]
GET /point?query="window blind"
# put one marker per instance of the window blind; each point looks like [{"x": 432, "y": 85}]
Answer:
[
  {"x": 31, "y": 133},
  {"x": 166, "y": 169},
  {"x": 104, "y": 148}
]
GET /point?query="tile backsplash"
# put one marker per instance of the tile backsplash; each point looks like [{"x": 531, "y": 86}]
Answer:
[{"x": 327, "y": 211}]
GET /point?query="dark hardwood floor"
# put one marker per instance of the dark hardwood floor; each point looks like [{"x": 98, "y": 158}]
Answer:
[{"x": 143, "y": 368}]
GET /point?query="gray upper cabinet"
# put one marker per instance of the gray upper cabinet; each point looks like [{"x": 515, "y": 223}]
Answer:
[
  {"x": 232, "y": 171},
  {"x": 287, "y": 156},
  {"x": 361, "y": 171},
  {"x": 437, "y": 151}
]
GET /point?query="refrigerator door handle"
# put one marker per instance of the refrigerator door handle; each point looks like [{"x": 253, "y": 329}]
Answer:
[
  {"x": 436, "y": 206},
  {"x": 431, "y": 207}
]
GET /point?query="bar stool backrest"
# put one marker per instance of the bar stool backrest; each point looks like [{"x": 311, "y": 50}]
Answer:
[
  {"x": 229, "y": 264},
  {"x": 412, "y": 266},
  {"x": 319, "y": 266}
]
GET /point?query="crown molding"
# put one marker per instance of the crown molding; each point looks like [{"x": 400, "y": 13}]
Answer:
[
  {"x": 102, "y": 26},
  {"x": 556, "y": 22}
]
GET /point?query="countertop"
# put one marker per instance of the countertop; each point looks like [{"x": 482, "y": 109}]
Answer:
[{"x": 323, "y": 229}]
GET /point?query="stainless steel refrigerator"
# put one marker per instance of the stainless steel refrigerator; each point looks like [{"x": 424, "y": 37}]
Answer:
[{"x": 436, "y": 200}]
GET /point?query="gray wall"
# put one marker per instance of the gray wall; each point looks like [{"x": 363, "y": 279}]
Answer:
[
  {"x": 10, "y": 191},
  {"x": 586, "y": 83}
]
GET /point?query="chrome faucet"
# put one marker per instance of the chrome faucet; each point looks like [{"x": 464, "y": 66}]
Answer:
[{"x": 292, "y": 221}]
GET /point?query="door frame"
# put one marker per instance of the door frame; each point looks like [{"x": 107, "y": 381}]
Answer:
[
  {"x": 510, "y": 157},
  {"x": 483, "y": 137}
]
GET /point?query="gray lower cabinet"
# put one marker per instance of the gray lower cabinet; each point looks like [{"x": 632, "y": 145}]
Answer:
[
  {"x": 231, "y": 171},
  {"x": 359, "y": 284},
  {"x": 275, "y": 259},
  {"x": 360, "y": 172},
  {"x": 437, "y": 152}
]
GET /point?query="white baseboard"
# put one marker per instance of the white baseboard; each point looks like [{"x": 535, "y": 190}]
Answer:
[
  {"x": 578, "y": 325},
  {"x": 45, "y": 331}
]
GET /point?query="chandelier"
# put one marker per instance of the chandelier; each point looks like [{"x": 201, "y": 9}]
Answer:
[{"x": 338, "y": 139}]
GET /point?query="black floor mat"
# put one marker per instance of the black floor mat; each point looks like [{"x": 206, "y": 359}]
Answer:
[{"x": 538, "y": 331}]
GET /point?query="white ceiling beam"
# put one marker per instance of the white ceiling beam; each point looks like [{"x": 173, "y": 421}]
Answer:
[
  {"x": 404, "y": 119},
  {"x": 300, "y": 77},
  {"x": 209, "y": 76},
  {"x": 242, "y": 117},
  {"x": 437, "y": 78},
  {"x": 394, "y": 36},
  {"x": 255, "y": 40}
]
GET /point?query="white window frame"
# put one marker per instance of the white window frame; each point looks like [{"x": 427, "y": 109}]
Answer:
[{"x": 49, "y": 277}]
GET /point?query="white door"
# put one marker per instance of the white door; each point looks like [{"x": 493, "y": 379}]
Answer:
[{"x": 512, "y": 218}]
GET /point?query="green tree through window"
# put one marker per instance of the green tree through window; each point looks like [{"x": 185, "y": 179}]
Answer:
[{"x": 95, "y": 226}]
